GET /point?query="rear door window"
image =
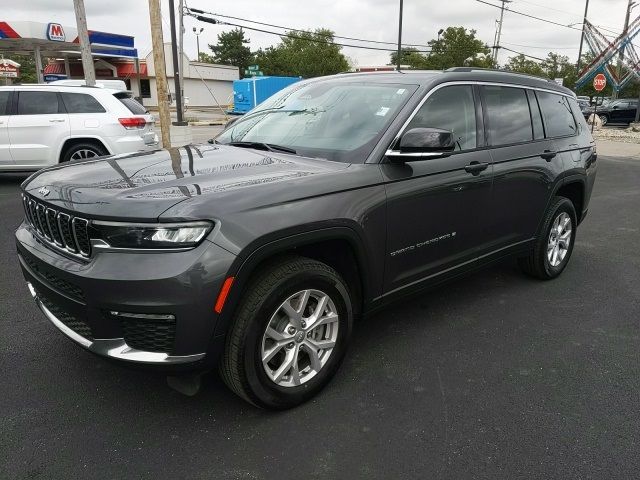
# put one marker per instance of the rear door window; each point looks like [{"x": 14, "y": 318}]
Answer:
[
  {"x": 508, "y": 115},
  {"x": 131, "y": 103},
  {"x": 558, "y": 119},
  {"x": 5, "y": 98},
  {"x": 453, "y": 109},
  {"x": 38, "y": 103},
  {"x": 81, "y": 103}
]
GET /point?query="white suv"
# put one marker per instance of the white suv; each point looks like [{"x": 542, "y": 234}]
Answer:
[{"x": 42, "y": 125}]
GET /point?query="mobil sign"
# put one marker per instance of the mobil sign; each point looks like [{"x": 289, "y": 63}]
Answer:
[{"x": 55, "y": 32}]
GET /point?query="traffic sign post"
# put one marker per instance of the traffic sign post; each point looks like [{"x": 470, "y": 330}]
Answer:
[{"x": 599, "y": 82}]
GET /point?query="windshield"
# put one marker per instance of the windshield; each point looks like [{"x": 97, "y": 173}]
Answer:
[{"x": 332, "y": 119}]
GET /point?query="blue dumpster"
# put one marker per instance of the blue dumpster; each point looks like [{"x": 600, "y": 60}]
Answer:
[{"x": 249, "y": 92}]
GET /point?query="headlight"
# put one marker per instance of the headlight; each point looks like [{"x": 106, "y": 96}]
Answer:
[{"x": 149, "y": 236}]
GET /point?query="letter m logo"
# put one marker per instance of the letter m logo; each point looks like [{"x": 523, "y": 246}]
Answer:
[{"x": 55, "y": 32}]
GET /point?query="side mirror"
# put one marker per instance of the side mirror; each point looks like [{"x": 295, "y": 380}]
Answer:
[
  {"x": 615, "y": 107},
  {"x": 427, "y": 140}
]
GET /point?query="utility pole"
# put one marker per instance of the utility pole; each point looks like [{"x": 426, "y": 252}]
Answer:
[
  {"x": 399, "y": 57},
  {"x": 496, "y": 47},
  {"x": 85, "y": 46},
  {"x": 175, "y": 64},
  {"x": 155, "y": 17},
  {"x": 631, "y": 4},
  {"x": 584, "y": 25}
]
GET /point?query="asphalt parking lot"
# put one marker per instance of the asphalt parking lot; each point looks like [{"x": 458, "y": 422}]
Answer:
[{"x": 494, "y": 376}]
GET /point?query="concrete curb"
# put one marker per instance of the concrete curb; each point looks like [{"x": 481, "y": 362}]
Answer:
[{"x": 211, "y": 123}]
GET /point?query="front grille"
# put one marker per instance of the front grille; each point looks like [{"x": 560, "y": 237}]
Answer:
[
  {"x": 151, "y": 335},
  {"x": 74, "y": 323},
  {"x": 53, "y": 280},
  {"x": 58, "y": 228}
]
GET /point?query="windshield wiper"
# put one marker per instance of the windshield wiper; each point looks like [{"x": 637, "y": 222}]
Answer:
[{"x": 270, "y": 147}]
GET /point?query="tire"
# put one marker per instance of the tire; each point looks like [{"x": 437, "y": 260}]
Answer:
[
  {"x": 604, "y": 119},
  {"x": 83, "y": 151},
  {"x": 248, "y": 342},
  {"x": 538, "y": 263}
]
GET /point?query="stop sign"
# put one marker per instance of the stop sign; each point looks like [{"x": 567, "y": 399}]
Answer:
[{"x": 599, "y": 82}]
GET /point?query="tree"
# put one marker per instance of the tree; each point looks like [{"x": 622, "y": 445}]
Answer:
[
  {"x": 522, "y": 64},
  {"x": 458, "y": 47},
  {"x": 410, "y": 56},
  {"x": 232, "y": 50},
  {"x": 307, "y": 54}
]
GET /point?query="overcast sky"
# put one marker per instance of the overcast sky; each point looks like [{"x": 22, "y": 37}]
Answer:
[{"x": 370, "y": 19}]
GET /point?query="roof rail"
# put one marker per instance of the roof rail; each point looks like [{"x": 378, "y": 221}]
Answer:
[{"x": 497, "y": 70}]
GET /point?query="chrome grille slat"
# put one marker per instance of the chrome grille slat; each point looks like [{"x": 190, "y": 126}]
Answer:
[
  {"x": 58, "y": 228},
  {"x": 52, "y": 221},
  {"x": 81, "y": 236}
]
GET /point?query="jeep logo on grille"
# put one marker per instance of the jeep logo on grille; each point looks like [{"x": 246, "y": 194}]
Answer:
[{"x": 44, "y": 191}]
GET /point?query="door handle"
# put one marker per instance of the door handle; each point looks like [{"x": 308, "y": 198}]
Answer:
[
  {"x": 57, "y": 120},
  {"x": 548, "y": 155},
  {"x": 476, "y": 167}
]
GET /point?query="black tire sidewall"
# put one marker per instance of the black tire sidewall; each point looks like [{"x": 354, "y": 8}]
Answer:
[
  {"x": 83, "y": 146},
  {"x": 563, "y": 205},
  {"x": 269, "y": 394}
]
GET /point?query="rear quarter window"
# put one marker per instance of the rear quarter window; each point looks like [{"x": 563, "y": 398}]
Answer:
[
  {"x": 81, "y": 103},
  {"x": 558, "y": 118},
  {"x": 131, "y": 103}
]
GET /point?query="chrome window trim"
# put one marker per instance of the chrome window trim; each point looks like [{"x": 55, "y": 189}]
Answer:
[{"x": 397, "y": 153}]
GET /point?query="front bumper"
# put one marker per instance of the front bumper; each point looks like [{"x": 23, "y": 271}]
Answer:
[
  {"x": 140, "y": 308},
  {"x": 112, "y": 347}
]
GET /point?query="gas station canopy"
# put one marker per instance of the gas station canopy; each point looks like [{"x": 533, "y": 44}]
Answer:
[{"x": 52, "y": 39}]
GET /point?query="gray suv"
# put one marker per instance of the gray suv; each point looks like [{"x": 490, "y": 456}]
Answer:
[{"x": 255, "y": 253}]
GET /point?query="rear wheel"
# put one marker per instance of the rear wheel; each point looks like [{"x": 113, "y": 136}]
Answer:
[
  {"x": 289, "y": 334},
  {"x": 555, "y": 242},
  {"x": 83, "y": 151}
]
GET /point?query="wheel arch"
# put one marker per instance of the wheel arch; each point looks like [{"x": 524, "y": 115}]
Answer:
[
  {"x": 71, "y": 141},
  {"x": 339, "y": 247},
  {"x": 573, "y": 187}
]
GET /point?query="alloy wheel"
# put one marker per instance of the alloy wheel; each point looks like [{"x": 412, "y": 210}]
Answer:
[
  {"x": 84, "y": 154},
  {"x": 299, "y": 338},
  {"x": 559, "y": 239}
]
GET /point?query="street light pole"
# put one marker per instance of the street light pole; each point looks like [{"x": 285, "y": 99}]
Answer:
[
  {"x": 175, "y": 64},
  {"x": 584, "y": 24},
  {"x": 399, "y": 57},
  {"x": 197, "y": 33}
]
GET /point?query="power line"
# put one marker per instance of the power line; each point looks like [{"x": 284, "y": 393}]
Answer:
[
  {"x": 542, "y": 48},
  {"x": 524, "y": 54},
  {"x": 300, "y": 30},
  {"x": 530, "y": 16}
]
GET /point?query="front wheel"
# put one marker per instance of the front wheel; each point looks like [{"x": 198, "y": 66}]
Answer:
[
  {"x": 289, "y": 334},
  {"x": 604, "y": 119},
  {"x": 555, "y": 242}
]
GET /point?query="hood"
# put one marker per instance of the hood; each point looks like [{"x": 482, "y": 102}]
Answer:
[{"x": 142, "y": 186}]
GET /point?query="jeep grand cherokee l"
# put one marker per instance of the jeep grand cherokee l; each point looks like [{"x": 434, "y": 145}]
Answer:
[{"x": 255, "y": 253}]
